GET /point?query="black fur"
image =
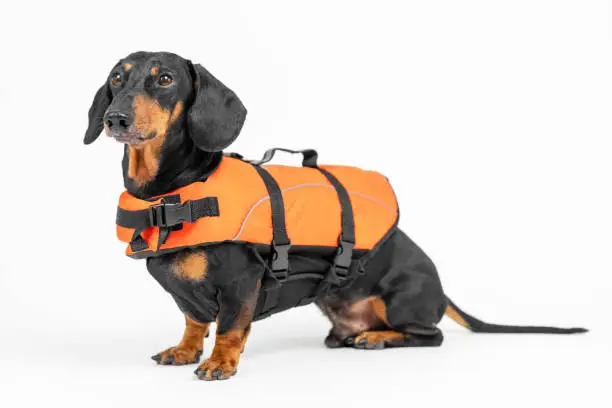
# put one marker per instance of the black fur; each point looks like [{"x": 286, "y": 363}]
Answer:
[
  {"x": 213, "y": 119},
  {"x": 478, "y": 326},
  {"x": 399, "y": 273},
  {"x": 217, "y": 115},
  {"x": 99, "y": 106}
]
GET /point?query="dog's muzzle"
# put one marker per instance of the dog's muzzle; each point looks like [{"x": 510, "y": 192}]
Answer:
[{"x": 119, "y": 126}]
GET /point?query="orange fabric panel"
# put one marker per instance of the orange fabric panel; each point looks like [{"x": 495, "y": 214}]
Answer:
[
  {"x": 124, "y": 234},
  {"x": 312, "y": 208},
  {"x": 237, "y": 186},
  {"x": 131, "y": 203}
]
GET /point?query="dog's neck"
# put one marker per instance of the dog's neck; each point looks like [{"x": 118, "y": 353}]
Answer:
[{"x": 160, "y": 168}]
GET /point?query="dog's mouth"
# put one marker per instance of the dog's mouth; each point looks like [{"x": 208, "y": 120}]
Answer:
[{"x": 130, "y": 136}]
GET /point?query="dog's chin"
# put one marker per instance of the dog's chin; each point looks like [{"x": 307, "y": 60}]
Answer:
[{"x": 129, "y": 137}]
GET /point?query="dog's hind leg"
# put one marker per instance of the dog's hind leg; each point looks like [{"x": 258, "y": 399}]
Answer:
[
  {"x": 395, "y": 334},
  {"x": 406, "y": 302},
  {"x": 365, "y": 324}
]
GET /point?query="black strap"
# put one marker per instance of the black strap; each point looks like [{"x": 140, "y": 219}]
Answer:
[
  {"x": 165, "y": 215},
  {"x": 279, "y": 257},
  {"x": 309, "y": 160},
  {"x": 346, "y": 242},
  {"x": 138, "y": 243},
  {"x": 280, "y": 240},
  {"x": 279, "y": 265}
]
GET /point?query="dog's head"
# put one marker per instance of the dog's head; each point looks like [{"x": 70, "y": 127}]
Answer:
[{"x": 148, "y": 93}]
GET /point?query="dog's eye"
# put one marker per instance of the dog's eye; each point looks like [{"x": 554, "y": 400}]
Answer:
[
  {"x": 116, "y": 79},
  {"x": 164, "y": 80}
]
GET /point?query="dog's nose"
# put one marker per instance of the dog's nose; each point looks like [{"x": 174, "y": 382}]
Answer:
[{"x": 117, "y": 121}]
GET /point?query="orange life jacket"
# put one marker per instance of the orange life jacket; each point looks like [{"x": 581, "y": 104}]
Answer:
[{"x": 234, "y": 205}]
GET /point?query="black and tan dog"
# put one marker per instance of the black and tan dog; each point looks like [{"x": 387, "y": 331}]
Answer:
[{"x": 174, "y": 119}]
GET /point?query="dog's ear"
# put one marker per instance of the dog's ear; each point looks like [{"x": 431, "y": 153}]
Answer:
[
  {"x": 216, "y": 115},
  {"x": 99, "y": 105}
]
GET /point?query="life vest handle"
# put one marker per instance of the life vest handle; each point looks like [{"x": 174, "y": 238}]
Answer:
[{"x": 309, "y": 160}]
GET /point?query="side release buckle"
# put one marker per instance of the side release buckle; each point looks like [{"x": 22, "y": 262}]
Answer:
[
  {"x": 280, "y": 261},
  {"x": 342, "y": 261},
  {"x": 167, "y": 214}
]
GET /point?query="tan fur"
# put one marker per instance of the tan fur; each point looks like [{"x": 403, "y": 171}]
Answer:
[
  {"x": 225, "y": 355},
  {"x": 380, "y": 309},
  {"x": 229, "y": 345},
  {"x": 245, "y": 336},
  {"x": 190, "y": 347},
  {"x": 144, "y": 161},
  {"x": 150, "y": 119},
  {"x": 127, "y": 66},
  {"x": 360, "y": 316},
  {"x": 178, "y": 108},
  {"x": 452, "y": 313},
  {"x": 191, "y": 266},
  {"x": 154, "y": 71},
  {"x": 245, "y": 318},
  {"x": 366, "y": 318},
  {"x": 194, "y": 333},
  {"x": 373, "y": 337}
]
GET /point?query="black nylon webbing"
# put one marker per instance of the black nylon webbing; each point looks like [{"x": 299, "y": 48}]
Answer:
[
  {"x": 204, "y": 207},
  {"x": 348, "y": 222},
  {"x": 309, "y": 156},
  {"x": 281, "y": 243},
  {"x": 141, "y": 220},
  {"x": 279, "y": 230},
  {"x": 138, "y": 220},
  {"x": 138, "y": 243}
]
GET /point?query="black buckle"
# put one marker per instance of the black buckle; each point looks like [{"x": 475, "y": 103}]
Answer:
[
  {"x": 167, "y": 214},
  {"x": 343, "y": 259},
  {"x": 280, "y": 261}
]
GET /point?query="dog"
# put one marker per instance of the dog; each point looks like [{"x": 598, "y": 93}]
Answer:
[{"x": 175, "y": 119}]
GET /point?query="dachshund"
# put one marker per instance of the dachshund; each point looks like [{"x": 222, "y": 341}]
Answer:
[{"x": 175, "y": 119}]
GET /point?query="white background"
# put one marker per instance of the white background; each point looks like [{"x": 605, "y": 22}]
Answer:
[{"x": 491, "y": 118}]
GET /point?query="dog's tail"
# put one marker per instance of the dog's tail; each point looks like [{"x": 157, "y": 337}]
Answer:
[{"x": 478, "y": 326}]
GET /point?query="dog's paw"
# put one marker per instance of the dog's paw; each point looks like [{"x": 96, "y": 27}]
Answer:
[
  {"x": 213, "y": 369},
  {"x": 332, "y": 341},
  {"x": 375, "y": 340},
  {"x": 178, "y": 356}
]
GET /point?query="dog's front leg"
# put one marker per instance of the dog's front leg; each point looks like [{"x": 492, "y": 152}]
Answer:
[
  {"x": 233, "y": 327},
  {"x": 189, "y": 350}
]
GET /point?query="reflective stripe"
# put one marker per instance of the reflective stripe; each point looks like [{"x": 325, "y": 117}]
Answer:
[{"x": 354, "y": 193}]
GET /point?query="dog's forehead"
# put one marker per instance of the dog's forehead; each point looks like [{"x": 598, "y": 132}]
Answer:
[{"x": 147, "y": 60}]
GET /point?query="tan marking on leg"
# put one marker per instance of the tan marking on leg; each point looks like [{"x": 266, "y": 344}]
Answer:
[
  {"x": 224, "y": 359},
  {"x": 380, "y": 309},
  {"x": 245, "y": 336},
  {"x": 354, "y": 318},
  {"x": 225, "y": 356},
  {"x": 191, "y": 266},
  {"x": 453, "y": 314},
  {"x": 194, "y": 333},
  {"x": 190, "y": 348},
  {"x": 375, "y": 337}
]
